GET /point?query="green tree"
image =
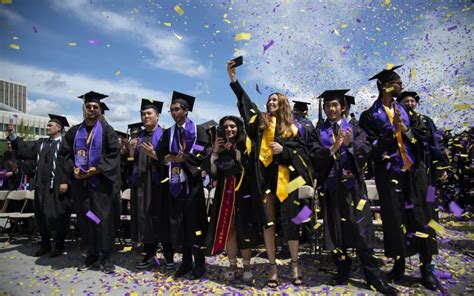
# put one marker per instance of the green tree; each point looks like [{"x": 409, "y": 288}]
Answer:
[{"x": 24, "y": 131}]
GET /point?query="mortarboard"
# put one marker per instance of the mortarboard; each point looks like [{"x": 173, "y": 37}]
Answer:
[
  {"x": 184, "y": 99},
  {"x": 408, "y": 94},
  {"x": 334, "y": 94},
  {"x": 103, "y": 108},
  {"x": 135, "y": 127},
  {"x": 61, "y": 120},
  {"x": 92, "y": 96},
  {"x": 350, "y": 100},
  {"x": 148, "y": 103},
  {"x": 121, "y": 134},
  {"x": 209, "y": 124},
  {"x": 387, "y": 75},
  {"x": 301, "y": 106}
]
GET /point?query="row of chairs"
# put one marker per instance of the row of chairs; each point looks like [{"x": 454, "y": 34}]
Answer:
[{"x": 13, "y": 214}]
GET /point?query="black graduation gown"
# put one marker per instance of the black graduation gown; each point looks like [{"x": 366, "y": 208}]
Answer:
[
  {"x": 149, "y": 202},
  {"x": 49, "y": 204},
  {"x": 104, "y": 199},
  {"x": 247, "y": 231},
  {"x": 404, "y": 209},
  {"x": 344, "y": 225},
  {"x": 294, "y": 154},
  {"x": 306, "y": 124},
  {"x": 187, "y": 212}
]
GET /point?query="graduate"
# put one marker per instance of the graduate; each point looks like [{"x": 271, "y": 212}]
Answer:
[
  {"x": 231, "y": 226},
  {"x": 349, "y": 101},
  {"x": 149, "y": 200},
  {"x": 434, "y": 156},
  {"x": 92, "y": 154},
  {"x": 397, "y": 135},
  {"x": 52, "y": 205},
  {"x": 300, "y": 113},
  {"x": 280, "y": 157},
  {"x": 343, "y": 194},
  {"x": 182, "y": 149}
]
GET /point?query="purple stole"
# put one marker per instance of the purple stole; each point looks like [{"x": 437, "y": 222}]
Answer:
[
  {"x": 300, "y": 128},
  {"x": 88, "y": 149},
  {"x": 327, "y": 140},
  {"x": 155, "y": 139},
  {"x": 2, "y": 176},
  {"x": 190, "y": 137},
  {"x": 383, "y": 124}
]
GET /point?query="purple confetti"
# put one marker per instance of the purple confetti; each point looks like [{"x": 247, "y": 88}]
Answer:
[
  {"x": 246, "y": 196},
  {"x": 452, "y": 28},
  {"x": 198, "y": 148},
  {"x": 360, "y": 220},
  {"x": 94, "y": 41},
  {"x": 455, "y": 209},
  {"x": 304, "y": 214},
  {"x": 157, "y": 260},
  {"x": 409, "y": 205},
  {"x": 431, "y": 194},
  {"x": 267, "y": 46},
  {"x": 389, "y": 164},
  {"x": 34, "y": 29},
  {"x": 93, "y": 217}
]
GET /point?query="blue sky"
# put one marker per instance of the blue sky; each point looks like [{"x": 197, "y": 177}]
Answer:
[{"x": 134, "y": 49}]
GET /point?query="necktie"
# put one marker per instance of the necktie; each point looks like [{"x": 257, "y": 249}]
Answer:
[
  {"x": 182, "y": 142},
  {"x": 335, "y": 129}
]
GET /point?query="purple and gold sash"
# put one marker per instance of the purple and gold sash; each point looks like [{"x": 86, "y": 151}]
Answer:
[
  {"x": 180, "y": 147},
  {"x": 403, "y": 160},
  {"x": 88, "y": 149},
  {"x": 155, "y": 139}
]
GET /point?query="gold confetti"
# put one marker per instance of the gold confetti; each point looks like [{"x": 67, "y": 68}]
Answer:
[
  {"x": 167, "y": 24},
  {"x": 267, "y": 191},
  {"x": 179, "y": 10},
  {"x": 198, "y": 233},
  {"x": 421, "y": 234},
  {"x": 177, "y": 36},
  {"x": 390, "y": 66},
  {"x": 436, "y": 226},
  {"x": 165, "y": 180},
  {"x": 295, "y": 184},
  {"x": 317, "y": 225},
  {"x": 361, "y": 204},
  {"x": 14, "y": 46},
  {"x": 252, "y": 119},
  {"x": 117, "y": 73},
  {"x": 291, "y": 168},
  {"x": 243, "y": 36},
  {"x": 72, "y": 43},
  {"x": 394, "y": 181}
]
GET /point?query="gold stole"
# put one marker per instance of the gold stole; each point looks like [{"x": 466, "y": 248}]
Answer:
[
  {"x": 266, "y": 157},
  {"x": 398, "y": 134}
]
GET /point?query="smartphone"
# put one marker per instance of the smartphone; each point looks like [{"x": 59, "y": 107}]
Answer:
[
  {"x": 238, "y": 61},
  {"x": 221, "y": 133}
]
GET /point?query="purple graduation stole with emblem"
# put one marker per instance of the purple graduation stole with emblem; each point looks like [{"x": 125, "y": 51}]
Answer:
[
  {"x": 88, "y": 149},
  {"x": 328, "y": 138},
  {"x": 180, "y": 144},
  {"x": 155, "y": 139}
]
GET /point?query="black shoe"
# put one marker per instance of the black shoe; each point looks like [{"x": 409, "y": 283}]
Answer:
[
  {"x": 339, "y": 279},
  {"x": 42, "y": 251},
  {"x": 183, "y": 269},
  {"x": 87, "y": 263},
  {"x": 382, "y": 287},
  {"x": 429, "y": 280},
  {"x": 146, "y": 262},
  {"x": 56, "y": 252},
  {"x": 397, "y": 271},
  {"x": 106, "y": 265},
  {"x": 198, "y": 272}
]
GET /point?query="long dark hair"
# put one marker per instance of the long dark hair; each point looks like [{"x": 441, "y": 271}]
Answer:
[{"x": 241, "y": 136}]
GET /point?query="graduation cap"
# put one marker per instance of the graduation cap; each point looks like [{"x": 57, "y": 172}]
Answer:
[
  {"x": 334, "y": 94},
  {"x": 209, "y": 124},
  {"x": 386, "y": 75},
  {"x": 92, "y": 96},
  {"x": 350, "y": 100},
  {"x": 148, "y": 103},
  {"x": 103, "y": 108},
  {"x": 184, "y": 99},
  {"x": 61, "y": 120},
  {"x": 408, "y": 94},
  {"x": 300, "y": 106},
  {"x": 121, "y": 134},
  {"x": 135, "y": 127}
]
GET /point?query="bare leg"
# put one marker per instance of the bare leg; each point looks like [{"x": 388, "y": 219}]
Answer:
[
  {"x": 294, "y": 262},
  {"x": 269, "y": 235},
  {"x": 231, "y": 248}
]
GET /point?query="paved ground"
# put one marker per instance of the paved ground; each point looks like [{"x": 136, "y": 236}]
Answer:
[{"x": 22, "y": 274}]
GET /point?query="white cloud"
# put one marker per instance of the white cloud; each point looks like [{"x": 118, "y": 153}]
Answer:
[
  {"x": 11, "y": 16},
  {"x": 168, "y": 52},
  {"x": 56, "y": 92}
]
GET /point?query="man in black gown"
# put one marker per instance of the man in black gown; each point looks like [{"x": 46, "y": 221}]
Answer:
[
  {"x": 396, "y": 134},
  {"x": 51, "y": 204},
  {"x": 92, "y": 163},
  {"x": 182, "y": 150}
]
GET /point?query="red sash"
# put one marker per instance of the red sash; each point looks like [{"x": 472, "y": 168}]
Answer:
[{"x": 226, "y": 211}]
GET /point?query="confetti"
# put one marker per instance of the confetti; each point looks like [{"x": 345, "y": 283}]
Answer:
[
  {"x": 177, "y": 36},
  {"x": 243, "y": 36},
  {"x": 72, "y": 43},
  {"x": 304, "y": 214},
  {"x": 295, "y": 184},
  {"x": 361, "y": 204},
  {"x": 179, "y": 10},
  {"x": 267, "y": 46},
  {"x": 93, "y": 217},
  {"x": 14, "y": 46}
]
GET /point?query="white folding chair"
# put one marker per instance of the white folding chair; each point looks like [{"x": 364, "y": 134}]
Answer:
[{"x": 18, "y": 196}]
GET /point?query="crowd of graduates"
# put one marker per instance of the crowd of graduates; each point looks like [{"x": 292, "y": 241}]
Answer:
[{"x": 256, "y": 163}]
